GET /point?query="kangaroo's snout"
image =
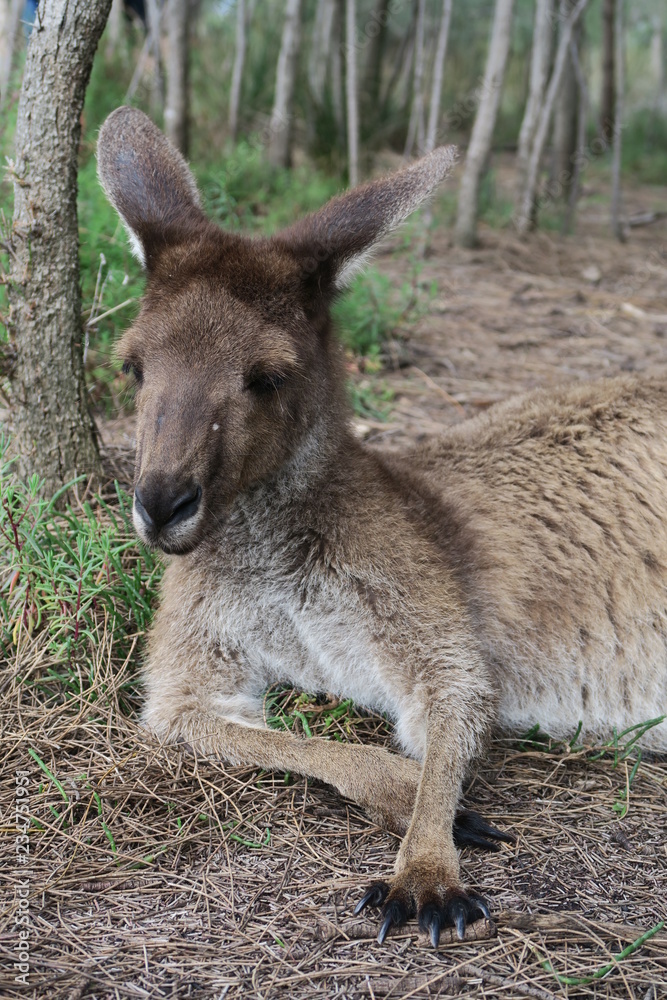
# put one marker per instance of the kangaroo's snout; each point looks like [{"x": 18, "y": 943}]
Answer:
[{"x": 165, "y": 510}]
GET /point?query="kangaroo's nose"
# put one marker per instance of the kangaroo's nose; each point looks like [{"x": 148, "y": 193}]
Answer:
[{"x": 163, "y": 505}]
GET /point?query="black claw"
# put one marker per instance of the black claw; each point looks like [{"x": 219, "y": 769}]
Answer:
[
  {"x": 394, "y": 914},
  {"x": 375, "y": 895},
  {"x": 458, "y": 918},
  {"x": 430, "y": 922},
  {"x": 459, "y": 910},
  {"x": 470, "y": 830},
  {"x": 467, "y": 839},
  {"x": 481, "y": 906},
  {"x": 384, "y": 928}
]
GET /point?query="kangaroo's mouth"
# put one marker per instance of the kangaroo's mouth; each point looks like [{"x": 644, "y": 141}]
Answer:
[
  {"x": 177, "y": 548},
  {"x": 179, "y": 534}
]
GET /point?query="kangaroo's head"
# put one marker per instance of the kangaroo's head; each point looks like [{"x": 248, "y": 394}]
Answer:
[{"x": 232, "y": 351}]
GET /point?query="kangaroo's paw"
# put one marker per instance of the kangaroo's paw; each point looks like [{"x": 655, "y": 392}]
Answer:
[
  {"x": 421, "y": 890},
  {"x": 470, "y": 830}
]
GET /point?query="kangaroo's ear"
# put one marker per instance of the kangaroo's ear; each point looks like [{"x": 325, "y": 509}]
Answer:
[
  {"x": 335, "y": 243},
  {"x": 147, "y": 181}
]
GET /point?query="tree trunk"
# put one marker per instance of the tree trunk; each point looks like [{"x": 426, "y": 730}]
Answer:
[
  {"x": 114, "y": 29},
  {"x": 153, "y": 22},
  {"x": 438, "y": 73},
  {"x": 351, "y": 92},
  {"x": 320, "y": 49},
  {"x": 485, "y": 120},
  {"x": 337, "y": 74},
  {"x": 579, "y": 159},
  {"x": 177, "y": 103},
  {"x": 54, "y": 433},
  {"x": 565, "y": 117},
  {"x": 416, "y": 124},
  {"x": 619, "y": 84},
  {"x": 526, "y": 208},
  {"x": 139, "y": 70},
  {"x": 281, "y": 116},
  {"x": 608, "y": 96},
  {"x": 423, "y": 241},
  {"x": 10, "y": 18},
  {"x": 402, "y": 62},
  {"x": 378, "y": 39},
  {"x": 405, "y": 68},
  {"x": 237, "y": 73},
  {"x": 539, "y": 72},
  {"x": 658, "y": 63}
]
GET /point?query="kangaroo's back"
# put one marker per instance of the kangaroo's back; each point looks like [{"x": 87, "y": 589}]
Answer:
[{"x": 557, "y": 510}]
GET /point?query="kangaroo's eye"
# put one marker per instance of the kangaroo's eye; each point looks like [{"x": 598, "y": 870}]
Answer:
[
  {"x": 265, "y": 382},
  {"x": 131, "y": 368}
]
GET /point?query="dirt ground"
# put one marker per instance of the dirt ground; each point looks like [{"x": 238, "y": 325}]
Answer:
[
  {"x": 226, "y": 883},
  {"x": 516, "y": 314}
]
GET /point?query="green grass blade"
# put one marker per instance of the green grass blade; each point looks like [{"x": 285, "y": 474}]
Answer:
[
  {"x": 35, "y": 756},
  {"x": 604, "y": 969}
]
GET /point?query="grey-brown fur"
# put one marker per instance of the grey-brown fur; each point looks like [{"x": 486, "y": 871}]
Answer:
[{"x": 510, "y": 571}]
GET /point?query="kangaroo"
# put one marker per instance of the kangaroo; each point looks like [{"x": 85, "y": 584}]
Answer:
[{"x": 511, "y": 570}]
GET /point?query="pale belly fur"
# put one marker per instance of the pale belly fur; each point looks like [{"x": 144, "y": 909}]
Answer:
[{"x": 326, "y": 648}]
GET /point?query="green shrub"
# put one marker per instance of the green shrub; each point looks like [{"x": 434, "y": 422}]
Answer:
[
  {"x": 372, "y": 311},
  {"x": 111, "y": 286},
  {"x": 243, "y": 191},
  {"x": 69, "y": 574},
  {"x": 644, "y": 146}
]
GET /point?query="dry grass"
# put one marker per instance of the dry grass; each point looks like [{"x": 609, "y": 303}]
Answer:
[{"x": 153, "y": 874}]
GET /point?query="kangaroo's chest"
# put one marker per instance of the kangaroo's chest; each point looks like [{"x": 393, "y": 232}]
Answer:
[{"x": 312, "y": 632}]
